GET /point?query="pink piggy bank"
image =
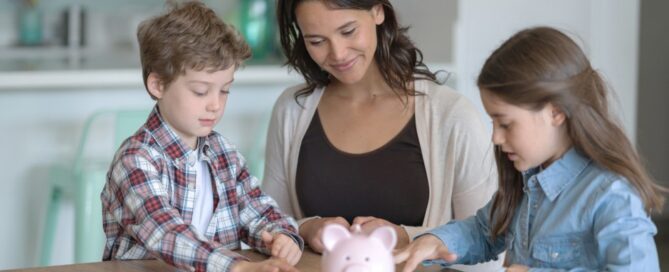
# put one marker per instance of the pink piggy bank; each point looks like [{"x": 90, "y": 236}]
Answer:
[{"x": 357, "y": 252}]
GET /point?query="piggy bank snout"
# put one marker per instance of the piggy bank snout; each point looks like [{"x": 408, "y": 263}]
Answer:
[{"x": 356, "y": 268}]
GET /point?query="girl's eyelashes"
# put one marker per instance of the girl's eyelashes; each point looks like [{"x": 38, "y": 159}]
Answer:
[
  {"x": 348, "y": 32},
  {"x": 199, "y": 92},
  {"x": 502, "y": 125},
  {"x": 225, "y": 91}
]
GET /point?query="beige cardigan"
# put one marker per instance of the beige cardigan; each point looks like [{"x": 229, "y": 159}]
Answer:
[{"x": 456, "y": 150}]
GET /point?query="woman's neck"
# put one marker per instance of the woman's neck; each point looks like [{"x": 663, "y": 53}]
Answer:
[{"x": 370, "y": 86}]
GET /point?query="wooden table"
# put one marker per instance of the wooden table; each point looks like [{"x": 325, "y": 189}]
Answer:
[{"x": 310, "y": 262}]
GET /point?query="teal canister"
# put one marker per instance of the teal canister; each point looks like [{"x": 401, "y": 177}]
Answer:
[
  {"x": 29, "y": 23},
  {"x": 257, "y": 26}
]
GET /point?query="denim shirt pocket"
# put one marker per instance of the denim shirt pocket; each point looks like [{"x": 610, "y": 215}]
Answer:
[{"x": 562, "y": 251}]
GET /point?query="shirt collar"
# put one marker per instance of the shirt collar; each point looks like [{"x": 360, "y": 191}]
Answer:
[
  {"x": 560, "y": 174},
  {"x": 168, "y": 140}
]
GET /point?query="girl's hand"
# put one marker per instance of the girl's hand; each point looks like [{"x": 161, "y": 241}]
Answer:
[
  {"x": 282, "y": 247},
  {"x": 312, "y": 231},
  {"x": 269, "y": 265},
  {"x": 517, "y": 268},
  {"x": 369, "y": 223},
  {"x": 426, "y": 247}
]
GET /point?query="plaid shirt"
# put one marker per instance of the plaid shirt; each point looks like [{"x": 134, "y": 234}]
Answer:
[{"x": 148, "y": 200}]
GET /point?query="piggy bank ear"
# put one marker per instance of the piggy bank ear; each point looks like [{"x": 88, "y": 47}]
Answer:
[
  {"x": 332, "y": 234},
  {"x": 386, "y": 235}
]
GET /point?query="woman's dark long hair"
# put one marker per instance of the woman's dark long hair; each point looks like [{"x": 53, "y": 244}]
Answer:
[
  {"x": 399, "y": 61},
  {"x": 542, "y": 65}
]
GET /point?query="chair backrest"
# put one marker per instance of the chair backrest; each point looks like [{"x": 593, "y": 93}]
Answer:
[
  {"x": 127, "y": 123},
  {"x": 90, "y": 177}
]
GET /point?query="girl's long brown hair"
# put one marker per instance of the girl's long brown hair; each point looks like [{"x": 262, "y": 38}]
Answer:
[
  {"x": 542, "y": 65},
  {"x": 399, "y": 61}
]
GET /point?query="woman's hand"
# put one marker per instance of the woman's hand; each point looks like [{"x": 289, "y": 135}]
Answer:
[
  {"x": 282, "y": 247},
  {"x": 312, "y": 231},
  {"x": 427, "y": 247},
  {"x": 370, "y": 223},
  {"x": 269, "y": 265}
]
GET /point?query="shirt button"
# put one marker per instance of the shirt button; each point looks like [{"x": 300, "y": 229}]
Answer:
[
  {"x": 191, "y": 186},
  {"x": 554, "y": 255},
  {"x": 191, "y": 160}
]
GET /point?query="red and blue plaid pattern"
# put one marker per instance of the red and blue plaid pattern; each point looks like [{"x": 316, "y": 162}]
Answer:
[{"x": 148, "y": 200}]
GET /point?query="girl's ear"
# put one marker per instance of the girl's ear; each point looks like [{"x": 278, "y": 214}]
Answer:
[
  {"x": 378, "y": 14},
  {"x": 155, "y": 85},
  {"x": 558, "y": 116}
]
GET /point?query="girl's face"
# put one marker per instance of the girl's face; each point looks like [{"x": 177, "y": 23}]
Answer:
[
  {"x": 529, "y": 138},
  {"x": 341, "y": 41}
]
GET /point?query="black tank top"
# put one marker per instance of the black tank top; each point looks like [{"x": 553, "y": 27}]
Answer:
[{"x": 389, "y": 182}]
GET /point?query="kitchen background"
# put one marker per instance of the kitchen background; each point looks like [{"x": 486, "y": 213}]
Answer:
[{"x": 63, "y": 60}]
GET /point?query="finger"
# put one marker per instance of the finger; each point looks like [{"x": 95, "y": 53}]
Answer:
[
  {"x": 361, "y": 220},
  {"x": 371, "y": 225},
  {"x": 291, "y": 255},
  {"x": 401, "y": 256},
  {"x": 276, "y": 248},
  {"x": 317, "y": 245},
  {"x": 284, "y": 250},
  {"x": 266, "y": 237},
  {"x": 296, "y": 256},
  {"x": 283, "y": 265},
  {"x": 412, "y": 263},
  {"x": 340, "y": 220},
  {"x": 448, "y": 256}
]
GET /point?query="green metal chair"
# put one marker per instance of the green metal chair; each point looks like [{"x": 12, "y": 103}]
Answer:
[{"x": 82, "y": 181}]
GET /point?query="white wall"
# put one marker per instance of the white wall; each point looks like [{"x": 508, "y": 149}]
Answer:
[{"x": 607, "y": 29}]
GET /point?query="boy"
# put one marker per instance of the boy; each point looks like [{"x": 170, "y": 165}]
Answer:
[{"x": 177, "y": 190}]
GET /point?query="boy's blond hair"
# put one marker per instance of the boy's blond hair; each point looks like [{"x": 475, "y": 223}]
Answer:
[{"x": 189, "y": 36}]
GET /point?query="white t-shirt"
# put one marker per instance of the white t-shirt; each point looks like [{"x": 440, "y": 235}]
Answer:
[{"x": 203, "y": 209}]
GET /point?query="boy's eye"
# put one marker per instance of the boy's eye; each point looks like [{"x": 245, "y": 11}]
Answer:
[{"x": 200, "y": 93}]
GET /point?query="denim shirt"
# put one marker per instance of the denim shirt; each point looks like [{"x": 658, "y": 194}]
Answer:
[{"x": 574, "y": 216}]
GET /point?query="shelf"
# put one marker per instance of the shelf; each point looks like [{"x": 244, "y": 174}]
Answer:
[
  {"x": 96, "y": 71},
  {"x": 123, "y": 78}
]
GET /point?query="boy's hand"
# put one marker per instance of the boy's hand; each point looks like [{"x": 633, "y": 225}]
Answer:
[
  {"x": 312, "y": 231},
  {"x": 282, "y": 247},
  {"x": 269, "y": 265},
  {"x": 369, "y": 223},
  {"x": 517, "y": 268},
  {"x": 426, "y": 247}
]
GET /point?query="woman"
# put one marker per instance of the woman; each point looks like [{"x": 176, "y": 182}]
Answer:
[{"x": 371, "y": 138}]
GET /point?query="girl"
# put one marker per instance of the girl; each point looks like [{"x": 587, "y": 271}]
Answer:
[{"x": 573, "y": 193}]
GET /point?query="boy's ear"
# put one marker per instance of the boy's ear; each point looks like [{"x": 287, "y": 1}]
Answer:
[
  {"x": 155, "y": 86},
  {"x": 378, "y": 14}
]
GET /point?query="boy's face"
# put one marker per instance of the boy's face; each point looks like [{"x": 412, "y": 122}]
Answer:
[{"x": 194, "y": 102}]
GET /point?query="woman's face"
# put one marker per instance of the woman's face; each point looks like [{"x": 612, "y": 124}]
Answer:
[{"x": 341, "y": 41}]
